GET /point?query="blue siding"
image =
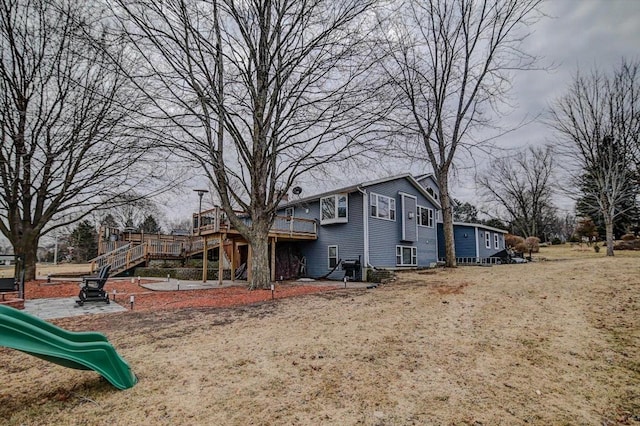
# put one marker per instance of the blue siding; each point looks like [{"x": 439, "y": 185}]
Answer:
[
  {"x": 429, "y": 182},
  {"x": 349, "y": 237},
  {"x": 409, "y": 218},
  {"x": 385, "y": 235},
  {"x": 465, "y": 241},
  {"x": 488, "y": 252}
]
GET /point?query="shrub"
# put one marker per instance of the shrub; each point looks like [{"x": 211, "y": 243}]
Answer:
[
  {"x": 521, "y": 247},
  {"x": 628, "y": 237},
  {"x": 628, "y": 245},
  {"x": 556, "y": 241},
  {"x": 513, "y": 240},
  {"x": 532, "y": 244}
]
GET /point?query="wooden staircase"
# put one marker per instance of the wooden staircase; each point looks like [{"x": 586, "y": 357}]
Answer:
[{"x": 129, "y": 256}]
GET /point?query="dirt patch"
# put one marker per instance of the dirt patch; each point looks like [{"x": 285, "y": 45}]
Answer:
[{"x": 541, "y": 343}]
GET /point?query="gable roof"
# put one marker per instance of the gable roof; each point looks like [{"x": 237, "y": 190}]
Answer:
[{"x": 358, "y": 187}]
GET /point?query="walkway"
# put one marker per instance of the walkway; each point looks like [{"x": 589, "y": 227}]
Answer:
[{"x": 67, "y": 307}]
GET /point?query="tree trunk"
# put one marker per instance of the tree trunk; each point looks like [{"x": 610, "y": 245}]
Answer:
[
  {"x": 608, "y": 225},
  {"x": 447, "y": 221},
  {"x": 27, "y": 251},
  {"x": 260, "y": 270}
]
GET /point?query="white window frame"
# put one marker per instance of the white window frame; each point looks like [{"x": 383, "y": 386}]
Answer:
[
  {"x": 400, "y": 257},
  {"x": 336, "y": 203},
  {"x": 329, "y": 257},
  {"x": 431, "y": 219},
  {"x": 496, "y": 241},
  {"x": 374, "y": 200},
  {"x": 487, "y": 239},
  {"x": 289, "y": 212}
]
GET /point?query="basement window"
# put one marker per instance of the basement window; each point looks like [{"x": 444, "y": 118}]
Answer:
[{"x": 406, "y": 256}]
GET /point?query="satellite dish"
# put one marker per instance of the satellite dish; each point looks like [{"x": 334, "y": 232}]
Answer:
[{"x": 297, "y": 190}]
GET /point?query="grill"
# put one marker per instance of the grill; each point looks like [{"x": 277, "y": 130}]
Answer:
[{"x": 352, "y": 269}]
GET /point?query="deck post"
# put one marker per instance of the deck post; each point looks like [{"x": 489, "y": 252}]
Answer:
[
  {"x": 233, "y": 254},
  {"x": 221, "y": 258},
  {"x": 273, "y": 259},
  {"x": 204, "y": 260},
  {"x": 249, "y": 262}
]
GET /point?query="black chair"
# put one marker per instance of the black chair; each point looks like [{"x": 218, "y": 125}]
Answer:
[{"x": 92, "y": 288}]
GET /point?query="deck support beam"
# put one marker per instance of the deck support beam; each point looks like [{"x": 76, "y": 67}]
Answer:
[
  {"x": 205, "y": 254},
  {"x": 233, "y": 260},
  {"x": 273, "y": 259},
  {"x": 249, "y": 262},
  {"x": 221, "y": 256}
]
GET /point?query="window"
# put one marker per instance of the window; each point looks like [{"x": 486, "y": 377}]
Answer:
[
  {"x": 496, "y": 241},
  {"x": 487, "y": 240},
  {"x": 383, "y": 207},
  {"x": 333, "y": 209},
  {"x": 333, "y": 256},
  {"x": 406, "y": 256},
  {"x": 288, "y": 212},
  {"x": 432, "y": 193},
  {"x": 425, "y": 216}
]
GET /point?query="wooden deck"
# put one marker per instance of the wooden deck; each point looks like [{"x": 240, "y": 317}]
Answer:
[
  {"x": 215, "y": 221},
  {"x": 211, "y": 230}
]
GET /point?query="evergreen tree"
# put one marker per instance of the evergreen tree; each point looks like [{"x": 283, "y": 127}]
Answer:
[
  {"x": 465, "y": 212},
  {"x": 496, "y": 223},
  {"x": 149, "y": 225},
  {"x": 84, "y": 241},
  {"x": 109, "y": 221}
]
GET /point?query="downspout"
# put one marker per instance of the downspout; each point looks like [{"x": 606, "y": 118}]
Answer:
[
  {"x": 477, "y": 245},
  {"x": 437, "y": 248},
  {"x": 365, "y": 226}
]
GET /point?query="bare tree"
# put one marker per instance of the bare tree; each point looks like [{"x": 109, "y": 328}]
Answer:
[
  {"x": 521, "y": 187},
  {"x": 257, "y": 93},
  {"x": 130, "y": 210},
  {"x": 451, "y": 65},
  {"x": 68, "y": 119},
  {"x": 598, "y": 122}
]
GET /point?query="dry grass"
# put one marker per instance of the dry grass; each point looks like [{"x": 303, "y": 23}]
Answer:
[
  {"x": 44, "y": 269},
  {"x": 539, "y": 343},
  {"x": 578, "y": 251}
]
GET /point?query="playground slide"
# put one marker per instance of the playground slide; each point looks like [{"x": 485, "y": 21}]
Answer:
[{"x": 79, "y": 350}]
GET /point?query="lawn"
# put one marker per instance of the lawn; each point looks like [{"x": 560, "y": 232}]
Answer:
[{"x": 549, "y": 342}]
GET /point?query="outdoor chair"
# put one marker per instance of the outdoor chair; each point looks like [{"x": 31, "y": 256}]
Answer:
[
  {"x": 8, "y": 285},
  {"x": 92, "y": 287}
]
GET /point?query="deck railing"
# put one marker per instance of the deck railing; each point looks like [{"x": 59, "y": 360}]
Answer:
[
  {"x": 129, "y": 255},
  {"x": 215, "y": 220}
]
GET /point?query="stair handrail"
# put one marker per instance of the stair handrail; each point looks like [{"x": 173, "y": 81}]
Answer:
[{"x": 103, "y": 259}]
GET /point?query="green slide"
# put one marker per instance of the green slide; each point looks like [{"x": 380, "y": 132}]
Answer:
[{"x": 79, "y": 350}]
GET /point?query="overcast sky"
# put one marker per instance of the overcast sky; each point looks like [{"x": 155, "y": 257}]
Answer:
[{"x": 576, "y": 34}]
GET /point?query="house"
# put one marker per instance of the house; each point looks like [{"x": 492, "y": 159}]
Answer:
[
  {"x": 474, "y": 243},
  {"x": 386, "y": 223},
  {"x": 390, "y": 223}
]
